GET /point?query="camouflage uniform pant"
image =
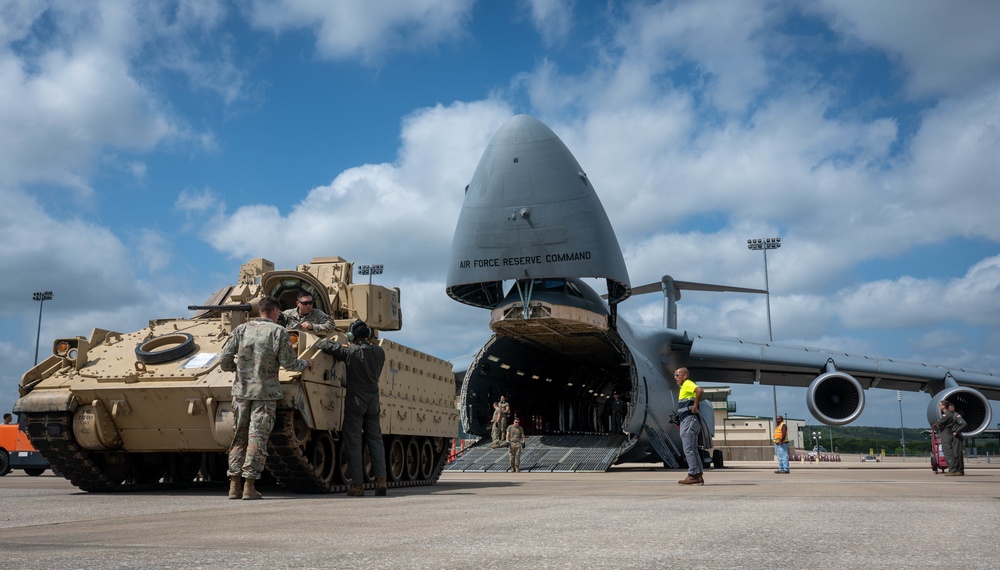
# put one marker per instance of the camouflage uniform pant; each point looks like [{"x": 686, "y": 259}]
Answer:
[
  {"x": 495, "y": 433},
  {"x": 515, "y": 455},
  {"x": 253, "y": 421}
]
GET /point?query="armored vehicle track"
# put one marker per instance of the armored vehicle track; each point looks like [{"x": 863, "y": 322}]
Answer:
[{"x": 301, "y": 460}]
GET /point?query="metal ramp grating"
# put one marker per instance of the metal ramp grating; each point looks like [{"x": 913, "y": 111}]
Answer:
[{"x": 546, "y": 453}]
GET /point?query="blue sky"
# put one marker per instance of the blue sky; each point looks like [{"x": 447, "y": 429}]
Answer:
[{"x": 148, "y": 149}]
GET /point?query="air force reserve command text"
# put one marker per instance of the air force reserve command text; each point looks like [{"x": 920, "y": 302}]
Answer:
[{"x": 525, "y": 260}]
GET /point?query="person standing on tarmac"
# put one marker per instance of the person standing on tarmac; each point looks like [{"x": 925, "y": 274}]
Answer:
[
  {"x": 254, "y": 351},
  {"x": 958, "y": 427},
  {"x": 946, "y": 429},
  {"x": 781, "y": 444},
  {"x": 364, "y": 363},
  {"x": 515, "y": 441},
  {"x": 688, "y": 398}
]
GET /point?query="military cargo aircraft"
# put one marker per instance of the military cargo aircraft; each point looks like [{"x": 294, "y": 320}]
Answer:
[{"x": 530, "y": 231}]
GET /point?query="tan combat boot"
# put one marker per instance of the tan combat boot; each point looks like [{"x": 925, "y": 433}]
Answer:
[
  {"x": 381, "y": 487},
  {"x": 249, "y": 493},
  {"x": 356, "y": 490},
  {"x": 235, "y": 487}
]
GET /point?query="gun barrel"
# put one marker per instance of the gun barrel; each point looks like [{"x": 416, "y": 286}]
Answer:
[{"x": 247, "y": 307}]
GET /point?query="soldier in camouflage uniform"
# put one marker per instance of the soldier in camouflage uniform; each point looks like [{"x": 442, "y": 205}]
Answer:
[
  {"x": 504, "y": 409},
  {"x": 495, "y": 433},
  {"x": 515, "y": 441},
  {"x": 254, "y": 351},
  {"x": 306, "y": 317}
]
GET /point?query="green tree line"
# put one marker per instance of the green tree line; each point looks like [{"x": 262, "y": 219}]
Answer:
[{"x": 866, "y": 439}]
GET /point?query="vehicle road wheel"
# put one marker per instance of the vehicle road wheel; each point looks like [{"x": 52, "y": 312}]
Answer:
[
  {"x": 34, "y": 471},
  {"x": 396, "y": 460},
  {"x": 426, "y": 459},
  {"x": 343, "y": 463},
  {"x": 324, "y": 457},
  {"x": 717, "y": 459},
  {"x": 184, "y": 467},
  {"x": 412, "y": 459},
  {"x": 4, "y": 462},
  {"x": 369, "y": 470}
]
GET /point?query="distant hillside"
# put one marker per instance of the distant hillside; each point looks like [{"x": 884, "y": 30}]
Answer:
[{"x": 861, "y": 439}]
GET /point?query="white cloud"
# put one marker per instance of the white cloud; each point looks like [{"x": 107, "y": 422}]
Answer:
[
  {"x": 154, "y": 250},
  {"x": 722, "y": 39},
  {"x": 947, "y": 48},
  {"x": 400, "y": 212},
  {"x": 92, "y": 263},
  {"x": 552, "y": 18},
  {"x": 365, "y": 29},
  {"x": 197, "y": 201}
]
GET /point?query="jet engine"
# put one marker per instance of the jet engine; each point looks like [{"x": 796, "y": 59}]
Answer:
[
  {"x": 973, "y": 406},
  {"x": 835, "y": 398}
]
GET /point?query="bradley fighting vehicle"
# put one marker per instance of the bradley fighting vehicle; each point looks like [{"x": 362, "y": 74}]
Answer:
[{"x": 152, "y": 408}]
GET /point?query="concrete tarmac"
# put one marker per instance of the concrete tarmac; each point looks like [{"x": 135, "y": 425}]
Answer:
[{"x": 829, "y": 516}]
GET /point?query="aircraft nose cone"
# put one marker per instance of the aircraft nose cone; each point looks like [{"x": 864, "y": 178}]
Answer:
[{"x": 530, "y": 211}]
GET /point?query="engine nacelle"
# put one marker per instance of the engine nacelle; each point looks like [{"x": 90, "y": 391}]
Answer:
[
  {"x": 973, "y": 406},
  {"x": 835, "y": 398}
]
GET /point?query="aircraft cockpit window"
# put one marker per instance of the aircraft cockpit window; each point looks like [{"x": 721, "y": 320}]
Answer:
[{"x": 553, "y": 284}]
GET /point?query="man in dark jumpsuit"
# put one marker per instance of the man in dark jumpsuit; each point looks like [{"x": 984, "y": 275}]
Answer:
[
  {"x": 958, "y": 446},
  {"x": 945, "y": 427},
  {"x": 364, "y": 363}
]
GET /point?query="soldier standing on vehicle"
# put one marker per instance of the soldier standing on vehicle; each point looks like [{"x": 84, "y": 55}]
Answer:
[
  {"x": 306, "y": 317},
  {"x": 8, "y": 419},
  {"x": 688, "y": 398},
  {"x": 254, "y": 351},
  {"x": 957, "y": 429},
  {"x": 515, "y": 442},
  {"x": 364, "y": 363}
]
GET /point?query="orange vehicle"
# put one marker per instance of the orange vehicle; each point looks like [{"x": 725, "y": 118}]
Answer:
[{"x": 16, "y": 452}]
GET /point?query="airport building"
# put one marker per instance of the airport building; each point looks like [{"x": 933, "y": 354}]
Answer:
[{"x": 746, "y": 438}]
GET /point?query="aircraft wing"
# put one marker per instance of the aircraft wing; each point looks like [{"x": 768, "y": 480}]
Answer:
[{"x": 836, "y": 380}]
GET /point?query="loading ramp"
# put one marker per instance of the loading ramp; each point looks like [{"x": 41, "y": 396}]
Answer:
[{"x": 545, "y": 454}]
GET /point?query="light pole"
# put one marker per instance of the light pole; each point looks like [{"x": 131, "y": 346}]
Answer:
[
  {"x": 764, "y": 245},
  {"x": 370, "y": 270},
  {"x": 41, "y": 297},
  {"x": 817, "y": 436},
  {"x": 902, "y": 434}
]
